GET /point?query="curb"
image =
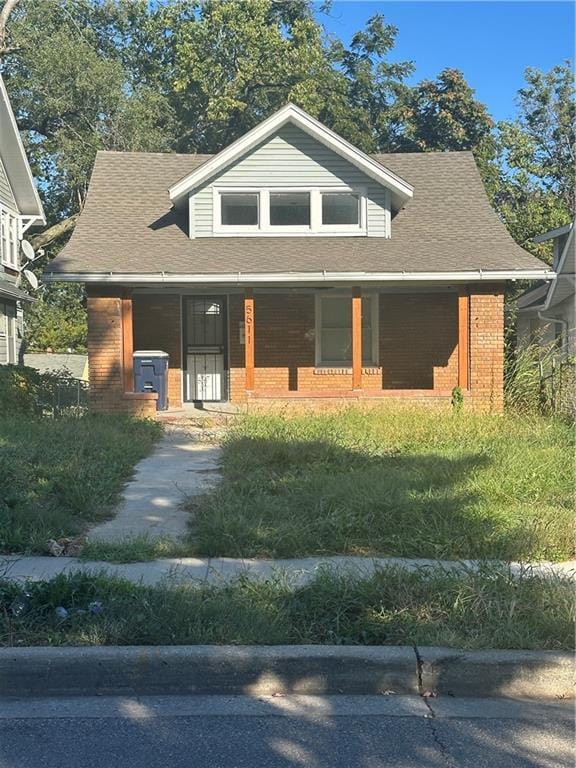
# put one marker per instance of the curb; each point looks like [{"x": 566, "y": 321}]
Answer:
[{"x": 267, "y": 670}]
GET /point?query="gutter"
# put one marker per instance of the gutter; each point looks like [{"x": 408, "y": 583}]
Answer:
[{"x": 241, "y": 278}]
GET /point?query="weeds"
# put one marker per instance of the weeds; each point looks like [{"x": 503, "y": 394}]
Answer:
[
  {"x": 490, "y": 609},
  {"x": 410, "y": 483},
  {"x": 59, "y": 475}
]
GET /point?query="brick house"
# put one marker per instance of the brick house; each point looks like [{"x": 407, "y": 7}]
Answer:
[{"x": 291, "y": 267}]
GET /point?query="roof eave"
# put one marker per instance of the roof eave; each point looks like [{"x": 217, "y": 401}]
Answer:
[
  {"x": 247, "y": 278},
  {"x": 17, "y": 156}
]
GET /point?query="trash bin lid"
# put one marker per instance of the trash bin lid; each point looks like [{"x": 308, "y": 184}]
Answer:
[{"x": 150, "y": 353}]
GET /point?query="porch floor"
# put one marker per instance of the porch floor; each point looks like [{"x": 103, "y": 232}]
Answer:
[{"x": 188, "y": 411}]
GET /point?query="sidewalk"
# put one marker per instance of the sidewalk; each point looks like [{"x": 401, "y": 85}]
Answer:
[
  {"x": 222, "y": 569},
  {"x": 182, "y": 465}
]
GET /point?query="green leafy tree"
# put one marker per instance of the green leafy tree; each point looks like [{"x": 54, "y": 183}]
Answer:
[
  {"x": 441, "y": 114},
  {"x": 57, "y": 319},
  {"x": 537, "y": 155}
]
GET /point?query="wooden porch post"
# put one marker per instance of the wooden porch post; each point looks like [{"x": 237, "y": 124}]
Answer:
[
  {"x": 463, "y": 338},
  {"x": 249, "y": 338},
  {"x": 127, "y": 342},
  {"x": 356, "y": 338}
]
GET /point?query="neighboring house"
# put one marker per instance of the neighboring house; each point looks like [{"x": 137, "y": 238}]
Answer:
[
  {"x": 20, "y": 208},
  {"x": 292, "y": 266},
  {"x": 547, "y": 312},
  {"x": 49, "y": 362}
]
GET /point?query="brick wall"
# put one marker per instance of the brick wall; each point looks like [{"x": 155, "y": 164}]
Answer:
[
  {"x": 105, "y": 361},
  {"x": 487, "y": 347},
  {"x": 157, "y": 325},
  {"x": 417, "y": 340}
]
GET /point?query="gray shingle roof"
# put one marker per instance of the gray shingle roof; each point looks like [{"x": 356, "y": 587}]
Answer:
[{"x": 127, "y": 226}]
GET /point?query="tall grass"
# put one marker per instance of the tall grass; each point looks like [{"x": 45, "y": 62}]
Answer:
[
  {"x": 58, "y": 475},
  {"x": 490, "y": 609},
  {"x": 408, "y": 482}
]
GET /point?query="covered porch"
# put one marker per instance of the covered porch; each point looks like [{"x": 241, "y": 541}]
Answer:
[{"x": 266, "y": 344}]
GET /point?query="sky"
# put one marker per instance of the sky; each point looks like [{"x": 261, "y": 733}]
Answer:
[{"x": 492, "y": 42}]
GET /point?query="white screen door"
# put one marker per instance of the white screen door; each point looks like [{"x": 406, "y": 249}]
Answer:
[{"x": 205, "y": 339}]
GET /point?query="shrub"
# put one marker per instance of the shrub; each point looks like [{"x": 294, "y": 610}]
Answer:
[{"x": 26, "y": 392}]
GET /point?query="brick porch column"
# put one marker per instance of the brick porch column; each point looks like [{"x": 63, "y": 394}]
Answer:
[{"x": 357, "y": 338}]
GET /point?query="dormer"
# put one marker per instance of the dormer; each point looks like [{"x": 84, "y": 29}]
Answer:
[{"x": 290, "y": 176}]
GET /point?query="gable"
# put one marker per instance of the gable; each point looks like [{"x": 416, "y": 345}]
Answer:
[
  {"x": 291, "y": 158},
  {"x": 290, "y": 114}
]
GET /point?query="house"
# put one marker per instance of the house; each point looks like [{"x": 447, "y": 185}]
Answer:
[
  {"x": 291, "y": 266},
  {"x": 75, "y": 365},
  {"x": 20, "y": 208},
  {"x": 547, "y": 312}
]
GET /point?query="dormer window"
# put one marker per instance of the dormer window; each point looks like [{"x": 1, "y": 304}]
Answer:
[
  {"x": 294, "y": 211},
  {"x": 340, "y": 209},
  {"x": 239, "y": 209}
]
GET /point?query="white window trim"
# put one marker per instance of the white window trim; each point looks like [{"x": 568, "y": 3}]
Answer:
[
  {"x": 265, "y": 229},
  {"x": 12, "y": 259},
  {"x": 374, "y": 356}
]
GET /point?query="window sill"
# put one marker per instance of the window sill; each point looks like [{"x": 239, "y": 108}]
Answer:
[{"x": 368, "y": 370}]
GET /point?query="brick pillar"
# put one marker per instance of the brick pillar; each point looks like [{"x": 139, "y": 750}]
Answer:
[
  {"x": 487, "y": 347},
  {"x": 105, "y": 352}
]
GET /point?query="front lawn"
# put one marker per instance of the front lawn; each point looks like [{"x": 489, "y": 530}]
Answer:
[
  {"x": 490, "y": 609},
  {"x": 59, "y": 475},
  {"x": 407, "y": 482}
]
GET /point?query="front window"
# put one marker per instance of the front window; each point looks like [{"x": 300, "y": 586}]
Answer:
[{"x": 334, "y": 329}]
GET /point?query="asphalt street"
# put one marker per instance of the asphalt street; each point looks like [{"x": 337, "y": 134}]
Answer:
[{"x": 284, "y": 732}]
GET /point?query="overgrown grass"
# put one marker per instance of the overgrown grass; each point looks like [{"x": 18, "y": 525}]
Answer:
[
  {"x": 58, "y": 475},
  {"x": 409, "y": 482},
  {"x": 134, "y": 549},
  {"x": 485, "y": 610}
]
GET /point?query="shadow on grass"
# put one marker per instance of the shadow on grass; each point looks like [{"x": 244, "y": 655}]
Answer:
[{"x": 296, "y": 498}]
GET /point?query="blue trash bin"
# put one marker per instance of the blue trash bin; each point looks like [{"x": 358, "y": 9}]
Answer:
[{"x": 151, "y": 375}]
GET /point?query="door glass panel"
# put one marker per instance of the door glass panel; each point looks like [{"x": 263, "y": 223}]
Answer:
[{"x": 205, "y": 323}]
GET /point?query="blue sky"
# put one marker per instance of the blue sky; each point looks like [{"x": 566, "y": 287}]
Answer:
[{"x": 492, "y": 42}]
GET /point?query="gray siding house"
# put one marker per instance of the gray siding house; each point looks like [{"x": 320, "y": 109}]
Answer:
[
  {"x": 547, "y": 312},
  {"x": 20, "y": 208}
]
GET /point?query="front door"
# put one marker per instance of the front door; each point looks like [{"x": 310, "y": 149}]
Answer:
[{"x": 205, "y": 348}]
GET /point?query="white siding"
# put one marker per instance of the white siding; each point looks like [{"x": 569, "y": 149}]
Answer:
[{"x": 291, "y": 158}]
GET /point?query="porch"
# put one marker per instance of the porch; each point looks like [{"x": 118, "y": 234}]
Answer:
[{"x": 270, "y": 345}]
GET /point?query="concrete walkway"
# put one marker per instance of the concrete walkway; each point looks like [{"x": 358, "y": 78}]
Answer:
[
  {"x": 181, "y": 465},
  {"x": 220, "y": 570}
]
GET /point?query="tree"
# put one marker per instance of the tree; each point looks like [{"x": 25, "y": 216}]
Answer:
[
  {"x": 57, "y": 319},
  {"x": 441, "y": 114},
  {"x": 537, "y": 155}
]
